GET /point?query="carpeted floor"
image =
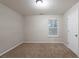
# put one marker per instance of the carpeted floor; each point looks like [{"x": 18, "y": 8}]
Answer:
[{"x": 40, "y": 51}]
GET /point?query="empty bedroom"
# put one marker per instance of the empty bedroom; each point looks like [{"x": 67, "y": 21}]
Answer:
[{"x": 39, "y": 28}]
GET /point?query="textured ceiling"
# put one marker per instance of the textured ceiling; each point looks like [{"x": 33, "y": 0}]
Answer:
[{"x": 26, "y": 7}]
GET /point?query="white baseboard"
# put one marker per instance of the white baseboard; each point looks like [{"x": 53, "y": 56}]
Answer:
[
  {"x": 42, "y": 42},
  {"x": 72, "y": 50},
  {"x": 11, "y": 48}
]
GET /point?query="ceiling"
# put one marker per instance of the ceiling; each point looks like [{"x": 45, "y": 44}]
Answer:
[{"x": 27, "y": 7}]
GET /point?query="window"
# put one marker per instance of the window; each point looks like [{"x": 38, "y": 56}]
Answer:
[{"x": 53, "y": 28}]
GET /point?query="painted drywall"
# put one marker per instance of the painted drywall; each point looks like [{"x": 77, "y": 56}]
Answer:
[
  {"x": 11, "y": 31},
  {"x": 71, "y": 18},
  {"x": 36, "y": 29}
]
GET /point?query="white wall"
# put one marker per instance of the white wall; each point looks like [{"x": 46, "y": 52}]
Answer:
[
  {"x": 71, "y": 20},
  {"x": 36, "y": 29},
  {"x": 10, "y": 28}
]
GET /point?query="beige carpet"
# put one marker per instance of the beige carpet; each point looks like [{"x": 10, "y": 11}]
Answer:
[{"x": 40, "y": 51}]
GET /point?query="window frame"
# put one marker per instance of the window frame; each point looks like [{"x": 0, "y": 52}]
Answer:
[{"x": 52, "y": 36}]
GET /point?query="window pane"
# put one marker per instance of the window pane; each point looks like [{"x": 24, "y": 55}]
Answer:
[
  {"x": 52, "y": 23},
  {"x": 52, "y": 31}
]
